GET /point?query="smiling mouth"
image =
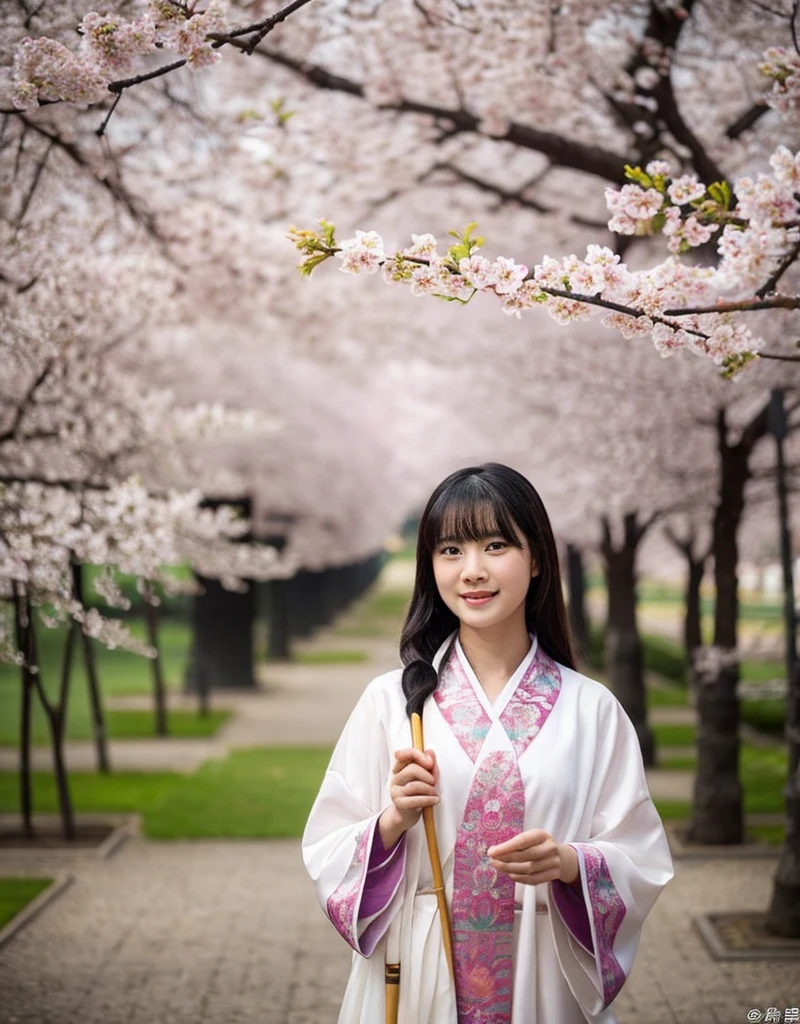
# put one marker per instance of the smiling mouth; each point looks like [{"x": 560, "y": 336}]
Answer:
[{"x": 479, "y": 597}]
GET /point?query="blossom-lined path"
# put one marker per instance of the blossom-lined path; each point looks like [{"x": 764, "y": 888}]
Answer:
[
  {"x": 298, "y": 705},
  {"x": 230, "y": 933},
  {"x": 220, "y": 932}
]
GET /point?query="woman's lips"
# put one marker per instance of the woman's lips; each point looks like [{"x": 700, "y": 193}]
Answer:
[{"x": 477, "y": 599}]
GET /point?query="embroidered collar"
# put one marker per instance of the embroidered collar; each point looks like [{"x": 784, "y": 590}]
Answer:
[{"x": 522, "y": 708}]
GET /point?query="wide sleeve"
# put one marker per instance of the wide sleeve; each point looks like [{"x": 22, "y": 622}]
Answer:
[
  {"x": 357, "y": 881},
  {"x": 624, "y": 861}
]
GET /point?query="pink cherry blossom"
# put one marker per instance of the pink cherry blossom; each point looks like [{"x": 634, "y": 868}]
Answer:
[
  {"x": 685, "y": 189},
  {"x": 507, "y": 275}
]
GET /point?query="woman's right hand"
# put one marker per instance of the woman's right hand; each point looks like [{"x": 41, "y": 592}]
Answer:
[{"x": 412, "y": 787}]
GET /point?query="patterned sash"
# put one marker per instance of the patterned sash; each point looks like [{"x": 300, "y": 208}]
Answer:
[{"x": 483, "y": 900}]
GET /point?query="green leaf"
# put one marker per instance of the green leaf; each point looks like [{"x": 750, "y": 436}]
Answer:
[
  {"x": 720, "y": 192},
  {"x": 639, "y": 176},
  {"x": 309, "y": 264},
  {"x": 731, "y": 365}
]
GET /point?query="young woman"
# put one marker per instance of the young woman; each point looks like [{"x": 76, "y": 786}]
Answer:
[{"x": 552, "y": 851}]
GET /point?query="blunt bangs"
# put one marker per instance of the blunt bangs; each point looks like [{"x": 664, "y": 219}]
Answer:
[{"x": 470, "y": 510}]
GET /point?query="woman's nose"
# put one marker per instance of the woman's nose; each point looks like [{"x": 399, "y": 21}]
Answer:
[{"x": 473, "y": 568}]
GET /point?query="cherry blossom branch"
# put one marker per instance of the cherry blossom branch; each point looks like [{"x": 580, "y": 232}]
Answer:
[
  {"x": 744, "y": 306},
  {"x": 617, "y": 307},
  {"x": 47, "y": 71},
  {"x": 261, "y": 28},
  {"x": 114, "y": 188},
  {"x": 27, "y": 398},
  {"x": 780, "y": 270},
  {"x": 147, "y": 76},
  {"x": 503, "y": 195},
  {"x": 259, "y": 31},
  {"x": 779, "y": 358},
  {"x": 561, "y": 151}
]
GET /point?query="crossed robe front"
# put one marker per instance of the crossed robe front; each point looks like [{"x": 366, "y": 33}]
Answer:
[{"x": 554, "y": 751}]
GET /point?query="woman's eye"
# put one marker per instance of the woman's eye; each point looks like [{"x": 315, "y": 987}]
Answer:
[{"x": 497, "y": 545}]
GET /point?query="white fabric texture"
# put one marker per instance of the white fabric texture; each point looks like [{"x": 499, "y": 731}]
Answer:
[{"x": 583, "y": 782}]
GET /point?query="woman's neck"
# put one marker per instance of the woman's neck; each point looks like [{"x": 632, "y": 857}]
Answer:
[{"x": 495, "y": 653}]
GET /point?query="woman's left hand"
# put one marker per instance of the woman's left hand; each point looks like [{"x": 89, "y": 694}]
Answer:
[{"x": 534, "y": 857}]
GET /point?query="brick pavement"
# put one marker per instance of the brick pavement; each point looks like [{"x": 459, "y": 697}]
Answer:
[{"x": 230, "y": 933}]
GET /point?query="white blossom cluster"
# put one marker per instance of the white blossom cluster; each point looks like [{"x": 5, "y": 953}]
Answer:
[{"x": 45, "y": 70}]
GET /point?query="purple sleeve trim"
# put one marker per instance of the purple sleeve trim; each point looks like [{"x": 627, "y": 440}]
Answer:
[
  {"x": 608, "y": 911},
  {"x": 383, "y": 875},
  {"x": 366, "y": 891},
  {"x": 343, "y": 902},
  {"x": 574, "y": 914}
]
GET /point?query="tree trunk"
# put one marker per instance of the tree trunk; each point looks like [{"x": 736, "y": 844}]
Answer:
[
  {"x": 576, "y": 586},
  {"x": 93, "y": 682},
  {"x": 56, "y": 720},
  {"x": 22, "y": 613},
  {"x": 695, "y": 571},
  {"x": 692, "y": 619},
  {"x": 279, "y": 642},
  {"x": 159, "y": 690},
  {"x": 222, "y": 641},
  {"x": 624, "y": 661},
  {"x": 783, "y": 916},
  {"x": 717, "y": 807}
]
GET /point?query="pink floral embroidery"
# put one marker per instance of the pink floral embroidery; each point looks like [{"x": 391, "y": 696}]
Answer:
[
  {"x": 532, "y": 701},
  {"x": 461, "y": 708},
  {"x": 608, "y": 911},
  {"x": 483, "y": 900},
  {"x": 343, "y": 902}
]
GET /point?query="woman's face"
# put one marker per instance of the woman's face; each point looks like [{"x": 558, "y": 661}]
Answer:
[{"x": 484, "y": 583}]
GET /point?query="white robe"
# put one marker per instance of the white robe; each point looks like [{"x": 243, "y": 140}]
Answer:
[{"x": 555, "y": 751}]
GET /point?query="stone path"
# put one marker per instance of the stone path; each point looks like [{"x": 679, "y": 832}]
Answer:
[{"x": 230, "y": 933}]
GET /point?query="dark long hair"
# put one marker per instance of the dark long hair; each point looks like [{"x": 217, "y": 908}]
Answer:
[{"x": 472, "y": 504}]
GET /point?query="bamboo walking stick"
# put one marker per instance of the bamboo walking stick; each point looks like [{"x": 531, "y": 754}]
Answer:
[
  {"x": 433, "y": 853},
  {"x": 392, "y": 992},
  {"x": 392, "y": 972}
]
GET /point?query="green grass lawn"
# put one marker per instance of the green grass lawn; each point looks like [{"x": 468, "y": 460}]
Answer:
[
  {"x": 330, "y": 657},
  {"x": 133, "y": 725},
  {"x": 666, "y": 694},
  {"x": 261, "y": 793},
  {"x": 762, "y": 770},
  {"x": 15, "y": 893},
  {"x": 381, "y": 613},
  {"x": 667, "y": 735},
  {"x": 120, "y": 674}
]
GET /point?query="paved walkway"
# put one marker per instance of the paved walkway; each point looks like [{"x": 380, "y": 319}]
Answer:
[{"x": 229, "y": 932}]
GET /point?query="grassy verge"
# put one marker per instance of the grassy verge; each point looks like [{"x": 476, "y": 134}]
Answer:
[
  {"x": 261, "y": 793},
  {"x": 330, "y": 657},
  {"x": 130, "y": 725},
  {"x": 381, "y": 613},
  {"x": 16, "y": 893},
  {"x": 673, "y": 735},
  {"x": 121, "y": 674}
]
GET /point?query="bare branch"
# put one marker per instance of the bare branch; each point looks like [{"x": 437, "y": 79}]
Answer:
[
  {"x": 783, "y": 266},
  {"x": 746, "y": 120},
  {"x": 503, "y": 195},
  {"x": 745, "y": 306},
  {"x": 561, "y": 151},
  {"x": 10, "y": 433}
]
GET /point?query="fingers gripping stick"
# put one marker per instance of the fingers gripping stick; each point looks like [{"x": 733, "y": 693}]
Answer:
[{"x": 433, "y": 853}]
